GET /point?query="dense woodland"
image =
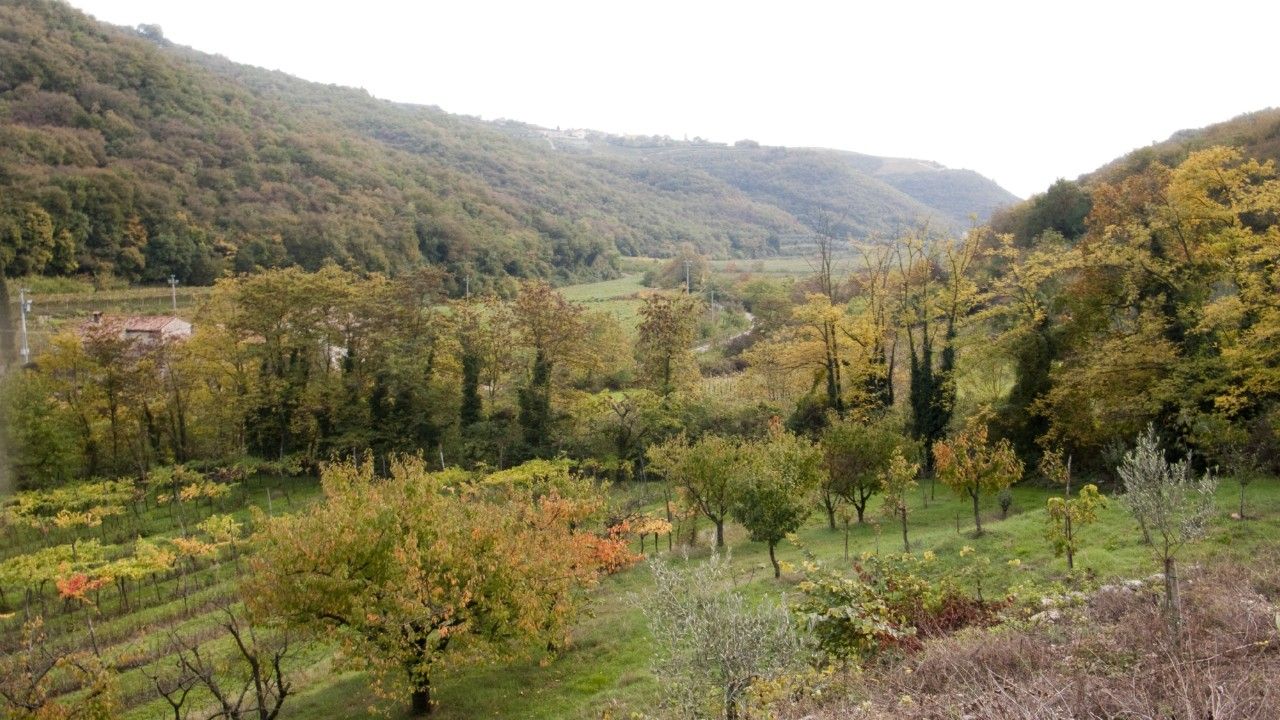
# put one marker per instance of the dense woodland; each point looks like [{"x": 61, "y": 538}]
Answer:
[{"x": 125, "y": 155}]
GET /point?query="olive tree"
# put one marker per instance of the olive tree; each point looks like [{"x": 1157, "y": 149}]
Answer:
[
  {"x": 711, "y": 643},
  {"x": 1171, "y": 502}
]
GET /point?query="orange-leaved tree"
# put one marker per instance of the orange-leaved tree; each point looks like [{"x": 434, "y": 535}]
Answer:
[
  {"x": 421, "y": 571},
  {"x": 970, "y": 465}
]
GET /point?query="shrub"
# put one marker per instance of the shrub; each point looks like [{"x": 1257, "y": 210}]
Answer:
[
  {"x": 711, "y": 645},
  {"x": 888, "y": 602}
]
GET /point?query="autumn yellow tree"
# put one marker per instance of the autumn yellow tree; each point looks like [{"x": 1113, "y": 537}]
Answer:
[
  {"x": 419, "y": 571},
  {"x": 934, "y": 292},
  {"x": 972, "y": 466},
  {"x": 897, "y": 482},
  {"x": 1171, "y": 305},
  {"x": 550, "y": 327},
  {"x": 664, "y": 344}
]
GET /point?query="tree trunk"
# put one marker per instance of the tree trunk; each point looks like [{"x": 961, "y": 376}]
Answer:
[
  {"x": 777, "y": 569},
  {"x": 831, "y": 513},
  {"x": 906, "y": 544},
  {"x": 1172, "y": 603},
  {"x": 420, "y": 700},
  {"x": 860, "y": 508},
  {"x": 1071, "y": 555},
  {"x": 720, "y": 533},
  {"x": 977, "y": 515},
  {"x": 846, "y": 537},
  {"x": 8, "y": 348}
]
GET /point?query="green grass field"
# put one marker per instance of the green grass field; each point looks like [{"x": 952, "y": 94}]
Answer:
[
  {"x": 782, "y": 265},
  {"x": 621, "y": 297},
  {"x": 607, "y": 669}
]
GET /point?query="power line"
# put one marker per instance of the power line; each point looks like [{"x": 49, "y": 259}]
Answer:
[{"x": 173, "y": 291}]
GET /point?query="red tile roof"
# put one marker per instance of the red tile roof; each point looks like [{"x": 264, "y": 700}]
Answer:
[{"x": 147, "y": 323}]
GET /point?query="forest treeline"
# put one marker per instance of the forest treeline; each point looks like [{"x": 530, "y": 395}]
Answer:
[
  {"x": 1158, "y": 306},
  {"x": 122, "y": 155}
]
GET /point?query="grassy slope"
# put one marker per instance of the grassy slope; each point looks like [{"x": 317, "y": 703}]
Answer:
[{"x": 608, "y": 666}]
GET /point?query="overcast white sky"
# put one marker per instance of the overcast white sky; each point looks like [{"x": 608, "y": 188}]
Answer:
[{"x": 1023, "y": 92}]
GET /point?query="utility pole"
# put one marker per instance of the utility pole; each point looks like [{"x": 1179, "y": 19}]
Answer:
[
  {"x": 173, "y": 291},
  {"x": 24, "y": 307}
]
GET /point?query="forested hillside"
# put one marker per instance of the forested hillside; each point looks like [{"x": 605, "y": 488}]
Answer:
[
  {"x": 1064, "y": 206},
  {"x": 858, "y": 195},
  {"x": 123, "y": 154},
  {"x": 1256, "y": 134}
]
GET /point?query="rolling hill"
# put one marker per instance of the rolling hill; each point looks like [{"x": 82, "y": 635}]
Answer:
[
  {"x": 1065, "y": 205},
  {"x": 1256, "y": 134},
  {"x": 122, "y": 154}
]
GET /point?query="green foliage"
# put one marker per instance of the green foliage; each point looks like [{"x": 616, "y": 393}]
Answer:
[
  {"x": 664, "y": 344},
  {"x": 535, "y": 404},
  {"x": 849, "y": 619},
  {"x": 709, "y": 472},
  {"x": 712, "y": 644},
  {"x": 890, "y": 601},
  {"x": 776, "y": 492},
  {"x": 43, "y": 440},
  {"x": 416, "y": 575},
  {"x": 1062, "y": 209},
  {"x": 1065, "y": 516},
  {"x": 855, "y": 456}
]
